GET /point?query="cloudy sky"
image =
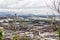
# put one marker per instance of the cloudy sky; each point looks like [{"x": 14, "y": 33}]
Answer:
[{"x": 26, "y": 6}]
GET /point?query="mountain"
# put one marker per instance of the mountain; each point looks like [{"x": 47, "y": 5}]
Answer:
[
  {"x": 22, "y": 14},
  {"x": 6, "y": 14}
]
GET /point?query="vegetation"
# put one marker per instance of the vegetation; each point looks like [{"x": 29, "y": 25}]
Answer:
[
  {"x": 16, "y": 37},
  {"x": 35, "y": 21},
  {"x": 24, "y": 38},
  {"x": 1, "y": 35},
  {"x": 59, "y": 32}
]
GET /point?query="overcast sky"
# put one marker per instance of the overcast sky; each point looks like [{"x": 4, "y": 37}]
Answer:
[{"x": 26, "y": 6}]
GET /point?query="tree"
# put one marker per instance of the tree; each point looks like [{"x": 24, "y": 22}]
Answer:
[
  {"x": 55, "y": 5},
  {"x": 55, "y": 8}
]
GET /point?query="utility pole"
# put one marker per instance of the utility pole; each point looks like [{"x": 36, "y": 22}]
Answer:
[
  {"x": 15, "y": 21},
  {"x": 52, "y": 23},
  {"x": 8, "y": 22}
]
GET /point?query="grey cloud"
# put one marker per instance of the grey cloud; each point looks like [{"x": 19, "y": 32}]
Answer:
[
  {"x": 19, "y": 4},
  {"x": 25, "y": 6}
]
